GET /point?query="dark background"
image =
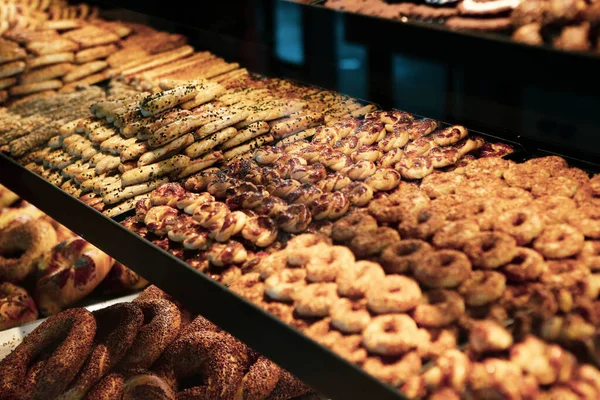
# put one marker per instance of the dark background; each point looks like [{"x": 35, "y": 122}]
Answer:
[{"x": 547, "y": 98}]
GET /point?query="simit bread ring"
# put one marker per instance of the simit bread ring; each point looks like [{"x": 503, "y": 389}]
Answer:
[
  {"x": 71, "y": 333},
  {"x": 68, "y": 273},
  {"x": 522, "y": 224},
  {"x": 372, "y": 243},
  {"x": 20, "y": 247},
  {"x": 395, "y": 294},
  {"x": 443, "y": 269},
  {"x": 491, "y": 250},
  {"x": 118, "y": 326},
  {"x": 16, "y": 306},
  {"x": 355, "y": 279},
  {"x": 346, "y": 228},
  {"x": 442, "y": 308},
  {"x": 392, "y": 334},
  {"x": 403, "y": 256},
  {"x": 162, "y": 320},
  {"x": 559, "y": 241}
]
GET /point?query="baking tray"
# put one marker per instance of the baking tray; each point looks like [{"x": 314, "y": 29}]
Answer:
[{"x": 11, "y": 338}]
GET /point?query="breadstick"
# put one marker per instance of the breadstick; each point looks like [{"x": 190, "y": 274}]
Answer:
[
  {"x": 223, "y": 122},
  {"x": 100, "y": 133},
  {"x": 96, "y": 159},
  {"x": 189, "y": 62},
  {"x": 84, "y": 70},
  {"x": 168, "y": 84},
  {"x": 12, "y": 68},
  {"x": 277, "y": 112},
  {"x": 363, "y": 111},
  {"x": 55, "y": 142},
  {"x": 85, "y": 125},
  {"x": 124, "y": 206},
  {"x": 159, "y": 59},
  {"x": 296, "y": 124},
  {"x": 180, "y": 127},
  {"x": 88, "y": 80},
  {"x": 94, "y": 53},
  {"x": 34, "y": 87},
  {"x": 54, "y": 45},
  {"x": 200, "y": 164},
  {"x": 84, "y": 177},
  {"x": 60, "y": 25},
  {"x": 204, "y": 96},
  {"x": 252, "y": 131},
  {"x": 50, "y": 59},
  {"x": 169, "y": 149},
  {"x": 132, "y": 191},
  {"x": 71, "y": 170},
  {"x": 46, "y": 73},
  {"x": 297, "y": 136},
  {"x": 107, "y": 185},
  {"x": 249, "y": 146},
  {"x": 7, "y": 82},
  {"x": 117, "y": 146},
  {"x": 58, "y": 159},
  {"x": 162, "y": 101},
  {"x": 210, "y": 142},
  {"x": 142, "y": 174},
  {"x": 145, "y": 128},
  {"x": 107, "y": 165}
]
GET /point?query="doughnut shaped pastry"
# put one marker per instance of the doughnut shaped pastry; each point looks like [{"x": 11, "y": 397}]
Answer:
[
  {"x": 482, "y": 287},
  {"x": 404, "y": 256},
  {"x": 392, "y": 334},
  {"x": 391, "y": 158},
  {"x": 260, "y": 380},
  {"x": 216, "y": 356},
  {"x": 394, "y": 140},
  {"x": 487, "y": 165},
  {"x": 372, "y": 243},
  {"x": 110, "y": 387},
  {"x": 285, "y": 284},
  {"x": 491, "y": 250},
  {"x": 523, "y": 224},
  {"x": 70, "y": 335},
  {"x": 16, "y": 306},
  {"x": 349, "y": 316},
  {"x": 394, "y": 373},
  {"x": 222, "y": 254},
  {"x": 359, "y": 193},
  {"x": 333, "y": 182},
  {"x": 587, "y": 219},
  {"x": 118, "y": 326},
  {"x": 394, "y": 294},
  {"x": 68, "y": 273},
  {"x": 527, "y": 265},
  {"x": 282, "y": 187},
  {"x": 488, "y": 335},
  {"x": 455, "y": 235},
  {"x": 162, "y": 321},
  {"x": 288, "y": 387},
  {"x": 28, "y": 241},
  {"x": 421, "y": 224},
  {"x": 356, "y": 279},
  {"x": 443, "y": 269},
  {"x": 346, "y": 228},
  {"x": 295, "y": 218},
  {"x": 442, "y": 308},
  {"x": 325, "y": 262},
  {"x": 316, "y": 299},
  {"x": 559, "y": 241}
]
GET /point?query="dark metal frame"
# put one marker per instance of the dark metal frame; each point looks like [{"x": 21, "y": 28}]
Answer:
[{"x": 320, "y": 368}]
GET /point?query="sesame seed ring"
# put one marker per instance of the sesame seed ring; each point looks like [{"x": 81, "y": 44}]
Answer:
[
  {"x": 455, "y": 235},
  {"x": 372, "y": 243},
  {"x": 285, "y": 284},
  {"x": 482, "y": 287},
  {"x": 72, "y": 332},
  {"x": 404, "y": 255},
  {"x": 347, "y": 227},
  {"x": 421, "y": 224},
  {"x": 522, "y": 224},
  {"x": 527, "y": 265},
  {"x": 316, "y": 299},
  {"x": 349, "y": 316}
]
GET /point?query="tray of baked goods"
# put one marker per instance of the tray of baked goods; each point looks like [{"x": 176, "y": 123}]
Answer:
[
  {"x": 566, "y": 25},
  {"x": 106, "y": 351},
  {"x": 364, "y": 250}
]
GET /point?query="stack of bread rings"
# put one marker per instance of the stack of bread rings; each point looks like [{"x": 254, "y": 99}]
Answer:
[
  {"x": 148, "y": 348},
  {"x": 55, "y": 265},
  {"x": 444, "y": 287}
]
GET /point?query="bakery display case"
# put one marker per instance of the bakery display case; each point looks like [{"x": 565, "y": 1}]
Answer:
[{"x": 342, "y": 216}]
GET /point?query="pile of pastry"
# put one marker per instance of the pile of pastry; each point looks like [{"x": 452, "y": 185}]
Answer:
[
  {"x": 446, "y": 286},
  {"x": 565, "y": 25},
  {"x": 148, "y": 348},
  {"x": 131, "y": 143},
  {"x": 59, "y": 268}
]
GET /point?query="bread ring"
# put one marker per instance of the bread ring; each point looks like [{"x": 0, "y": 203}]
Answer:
[
  {"x": 394, "y": 372},
  {"x": 118, "y": 326},
  {"x": 288, "y": 387},
  {"x": 455, "y": 235},
  {"x": 349, "y": 316},
  {"x": 68, "y": 273},
  {"x": 330, "y": 206},
  {"x": 587, "y": 220},
  {"x": 372, "y": 243},
  {"x": 295, "y": 218},
  {"x": 393, "y": 334},
  {"x": 523, "y": 224},
  {"x": 162, "y": 320},
  {"x": 260, "y": 230},
  {"x": 16, "y": 306},
  {"x": 404, "y": 256},
  {"x": 260, "y": 380},
  {"x": 355, "y": 279},
  {"x": 21, "y": 246},
  {"x": 384, "y": 179},
  {"x": 491, "y": 250},
  {"x": 395, "y": 294},
  {"x": 590, "y": 255},
  {"x": 71, "y": 333},
  {"x": 316, "y": 299},
  {"x": 559, "y": 241},
  {"x": 285, "y": 284},
  {"x": 527, "y": 265},
  {"x": 487, "y": 165},
  {"x": 223, "y": 254},
  {"x": 346, "y": 228},
  {"x": 326, "y": 262},
  {"x": 482, "y": 287},
  {"x": 394, "y": 206},
  {"x": 421, "y": 224},
  {"x": 391, "y": 158},
  {"x": 443, "y": 269},
  {"x": 442, "y": 308},
  {"x": 350, "y": 348},
  {"x": 334, "y": 182}
]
